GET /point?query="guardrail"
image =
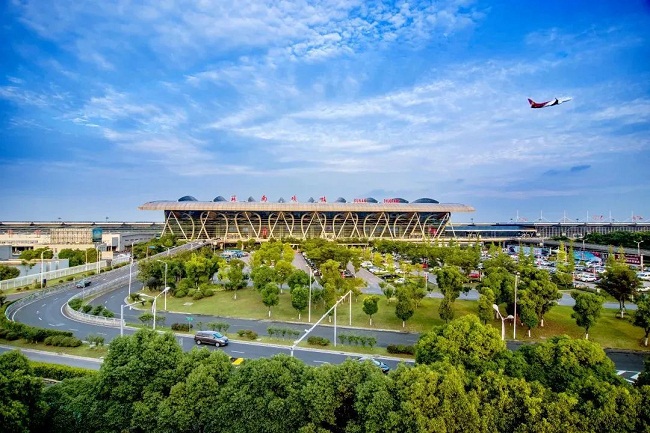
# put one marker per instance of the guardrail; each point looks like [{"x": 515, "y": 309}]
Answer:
[
  {"x": 49, "y": 275},
  {"x": 97, "y": 290}
]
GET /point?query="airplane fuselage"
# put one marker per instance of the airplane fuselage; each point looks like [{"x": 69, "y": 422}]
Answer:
[{"x": 550, "y": 103}]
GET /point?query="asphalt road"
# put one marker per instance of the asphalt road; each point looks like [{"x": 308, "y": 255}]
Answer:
[{"x": 48, "y": 312}]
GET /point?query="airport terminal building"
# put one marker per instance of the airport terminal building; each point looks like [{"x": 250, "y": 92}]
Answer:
[{"x": 230, "y": 221}]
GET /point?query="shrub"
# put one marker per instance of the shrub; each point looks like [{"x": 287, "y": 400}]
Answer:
[
  {"x": 207, "y": 293},
  {"x": 282, "y": 332},
  {"x": 184, "y": 327},
  {"x": 197, "y": 295},
  {"x": 98, "y": 340},
  {"x": 400, "y": 348},
  {"x": 97, "y": 310},
  {"x": 219, "y": 326},
  {"x": 318, "y": 341},
  {"x": 180, "y": 293},
  {"x": 70, "y": 278},
  {"x": 247, "y": 333},
  {"x": 59, "y": 372},
  {"x": 75, "y": 303},
  {"x": 86, "y": 308},
  {"x": 107, "y": 313},
  {"x": 60, "y": 281}
]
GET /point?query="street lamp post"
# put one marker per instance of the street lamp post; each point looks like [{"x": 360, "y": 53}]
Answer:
[
  {"x": 514, "y": 326},
  {"x": 503, "y": 323},
  {"x": 165, "y": 263},
  {"x": 153, "y": 306},
  {"x": 310, "y": 277},
  {"x": 638, "y": 253},
  {"x": 122, "y": 316},
  {"x": 130, "y": 271},
  {"x": 42, "y": 252}
]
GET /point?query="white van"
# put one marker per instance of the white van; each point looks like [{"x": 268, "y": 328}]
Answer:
[{"x": 643, "y": 276}]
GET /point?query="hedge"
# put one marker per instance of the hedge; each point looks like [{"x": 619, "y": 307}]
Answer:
[
  {"x": 61, "y": 341},
  {"x": 400, "y": 348},
  {"x": 184, "y": 327},
  {"x": 318, "y": 341},
  {"x": 59, "y": 372},
  {"x": 358, "y": 340},
  {"x": 247, "y": 333},
  {"x": 282, "y": 332}
]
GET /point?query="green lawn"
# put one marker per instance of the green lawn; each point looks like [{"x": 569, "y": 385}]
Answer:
[
  {"x": 610, "y": 332},
  {"x": 83, "y": 350}
]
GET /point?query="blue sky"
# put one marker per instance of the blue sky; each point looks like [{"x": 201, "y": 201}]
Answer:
[{"x": 107, "y": 105}]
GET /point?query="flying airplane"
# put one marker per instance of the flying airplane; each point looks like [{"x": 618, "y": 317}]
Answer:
[{"x": 550, "y": 103}]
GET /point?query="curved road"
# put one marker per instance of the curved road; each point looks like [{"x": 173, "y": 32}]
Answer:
[{"x": 47, "y": 312}]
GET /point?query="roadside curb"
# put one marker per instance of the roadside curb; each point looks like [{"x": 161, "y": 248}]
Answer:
[{"x": 45, "y": 352}]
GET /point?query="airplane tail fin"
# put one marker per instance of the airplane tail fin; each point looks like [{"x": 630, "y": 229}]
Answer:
[{"x": 531, "y": 102}]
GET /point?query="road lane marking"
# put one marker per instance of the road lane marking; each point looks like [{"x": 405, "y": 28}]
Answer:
[
  {"x": 237, "y": 351},
  {"x": 321, "y": 362},
  {"x": 40, "y": 318}
]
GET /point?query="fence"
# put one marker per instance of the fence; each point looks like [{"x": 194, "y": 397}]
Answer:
[{"x": 49, "y": 275}]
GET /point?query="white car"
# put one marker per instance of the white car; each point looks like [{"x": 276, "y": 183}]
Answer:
[
  {"x": 645, "y": 276},
  {"x": 366, "y": 264}
]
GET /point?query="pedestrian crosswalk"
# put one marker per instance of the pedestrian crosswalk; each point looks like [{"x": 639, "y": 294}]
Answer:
[{"x": 630, "y": 376}]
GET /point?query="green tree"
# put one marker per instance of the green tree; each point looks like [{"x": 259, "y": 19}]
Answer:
[
  {"x": 270, "y": 295},
  {"x": 370, "y": 306},
  {"x": 445, "y": 311},
  {"x": 262, "y": 275},
  {"x": 8, "y": 272},
  {"x": 283, "y": 270},
  {"x": 526, "y": 307},
  {"x": 388, "y": 290},
  {"x": 146, "y": 318},
  {"x": 21, "y": 406},
  {"x": 485, "y": 302},
  {"x": 619, "y": 281},
  {"x": 587, "y": 310},
  {"x": 641, "y": 316},
  {"x": 234, "y": 272},
  {"x": 300, "y": 299},
  {"x": 298, "y": 278},
  {"x": 405, "y": 307},
  {"x": 464, "y": 341}
]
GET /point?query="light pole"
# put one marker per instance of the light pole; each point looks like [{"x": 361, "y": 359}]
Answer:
[
  {"x": 130, "y": 270},
  {"x": 310, "y": 277},
  {"x": 42, "y": 252},
  {"x": 165, "y": 263},
  {"x": 638, "y": 253},
  {"x": 503, "y": 323},
  {"x": 122, "y": 316},
  {"x": 514, "y": 326},
  {"x": 153, "y": 304}
]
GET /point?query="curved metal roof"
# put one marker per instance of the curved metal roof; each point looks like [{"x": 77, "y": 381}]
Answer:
[{"x": 304, "y": 207}]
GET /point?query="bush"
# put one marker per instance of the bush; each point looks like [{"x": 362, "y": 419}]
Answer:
[
  {"x": 59, "y": 372},
  {"x": 247, "y": 333},
  {"x": 219, "y": 326},
  {"x": 400, "y": 348},
  {"x": 180, "y": 293},
  {"x": 183, "y": 327},
  {"x": 75, "y": 303},
  {"x": 197, "y": 295},
  {"x": 318, "y": 341},
  {"x": 86, "y": 308},
  {"x": 282, "y": 332},
  {"x": 62, "y": 341},
  {"x": 207, "y": 293},
  {"x": 70, "y": 278},
  {"x": 97, "y": 310},
  {"x": 107, "y": 313},
  {"x": 98, "y": 340}
]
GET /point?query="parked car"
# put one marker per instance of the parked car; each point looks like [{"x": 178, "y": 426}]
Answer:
[
  {"x": 643, "y": 276},
  {"x": 384, "y": 368},
  {"x": 210, "y": 337},
  {"x": 82, "y": 283}
]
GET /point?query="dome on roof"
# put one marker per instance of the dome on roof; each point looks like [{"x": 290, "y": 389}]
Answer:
[
  {"x": 340, "y": 200},
  {"x": 251, "y": 199},
  {"x": 371, "y": 200},
  {"x": 425, "y": 200},
  {"x": 398, "y": 200},
  {"x": 281, "y": 200},
  {"x": 219, "y": 198},
  {"x": 311, "y": 200},
  {"x": 187, "y": 198}
]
